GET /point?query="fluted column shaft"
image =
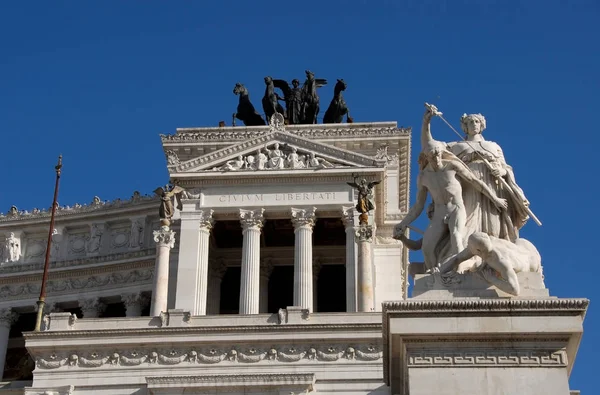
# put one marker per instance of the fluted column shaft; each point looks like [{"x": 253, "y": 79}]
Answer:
[
  {"x": 348, "y": 217},
  {"x": 364, "y": 295},
  {"x": 252, "y": 221},
  {"x": 165, "y": 240},
  {"x": 316, "y": 270},
  {"x": 303, "y": 220},
  {"x": 7, "y": 318},
  {"x": 192, "y": 268}
]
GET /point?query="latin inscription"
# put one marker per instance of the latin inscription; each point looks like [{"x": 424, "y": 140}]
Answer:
[{"x": 279, "y": 197}]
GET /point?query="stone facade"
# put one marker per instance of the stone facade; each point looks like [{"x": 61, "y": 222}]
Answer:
[{"x": 257, "y": 200}]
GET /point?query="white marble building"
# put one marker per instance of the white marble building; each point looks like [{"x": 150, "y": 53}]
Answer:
[{"x": 262, "y": 287}]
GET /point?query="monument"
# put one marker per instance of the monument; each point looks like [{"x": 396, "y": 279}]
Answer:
[
  {"x": 268, "y": 262},
  {"x": 480, "y": 320}
]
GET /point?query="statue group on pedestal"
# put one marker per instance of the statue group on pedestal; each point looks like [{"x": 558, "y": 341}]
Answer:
[
  {"x": 477, "y": 208},
  {"x": 301, "y": 103}
]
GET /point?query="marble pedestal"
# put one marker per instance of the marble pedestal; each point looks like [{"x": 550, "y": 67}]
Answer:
[{"x": 523, "y": 346}]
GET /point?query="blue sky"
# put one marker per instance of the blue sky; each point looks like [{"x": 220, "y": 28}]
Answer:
[{"x": 98, "y": 81}]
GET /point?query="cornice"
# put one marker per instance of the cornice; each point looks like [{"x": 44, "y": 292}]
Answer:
[
  {"x": 203, "y": 330},
  {"x": 370, "y": 174},
  {"x": 478, "y": 306},
  {"x": 12, "y": 271},
  {"x": 322, "y": 131},
  {"x": 208, "y": 161},
  {"x": 67, "y": 212}
]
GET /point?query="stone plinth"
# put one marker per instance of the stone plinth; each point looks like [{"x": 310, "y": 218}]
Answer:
[
  {"x": 437, "y": 286},
  {"x": 476, "y": 346}
]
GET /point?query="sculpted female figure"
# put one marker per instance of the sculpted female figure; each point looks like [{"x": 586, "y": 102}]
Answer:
[{"x": 482, "y": 215}]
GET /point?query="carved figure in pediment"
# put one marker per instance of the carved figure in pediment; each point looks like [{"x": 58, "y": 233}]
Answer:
[
  {"x": 258, "y": 161},
  {"x": 319, "y": 163},
  {"x": 12, "y": 248},
  {"x": 236, "y": 164},
  {"x": 276, "y": 157},
  {"x": 166, "y": 208},
  {"x": 294, "y": 161},
  {"x": 245, "y": 110},
  {"x": 337, "y": 108},
  {"x": 13, "y": 211}
]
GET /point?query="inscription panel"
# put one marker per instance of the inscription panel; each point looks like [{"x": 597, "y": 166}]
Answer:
[{"x": 300, "y": 195}]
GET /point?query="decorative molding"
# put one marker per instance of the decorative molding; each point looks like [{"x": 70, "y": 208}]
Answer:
[
  {"x": 70, "y": 284},
  {"x": 209, "y": 355},
  {"x": 212, "y": 159},
  {"x": 575, "y": 306},
  {"x": 233, "y": 134},
  {"x": 193, "y": 329},
  {"x": 27, "y": 267},
  {"x": 95, "y": 205},
  {"x": 244, "y": 382},
  {"x": 487, "y": 358}
]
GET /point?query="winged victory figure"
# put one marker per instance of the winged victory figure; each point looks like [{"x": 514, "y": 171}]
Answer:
[
  {"x": 166, "y": 209},
  {"x": 293, "y": 100},
  {"x": 310, "y": 98},
  {"x": 366, "y": 201}
]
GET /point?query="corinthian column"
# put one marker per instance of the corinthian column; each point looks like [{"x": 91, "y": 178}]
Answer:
[
  {"x": 252, "y": 222},
  {"x": 7, "y": 318},
  {"x": 303, "y": 220},
  {"x": 192, "y": 268},
  {"x": 364, "y": 280},
  {"x": 165, "y": 240},
  {"x": 348, "y": 217}
]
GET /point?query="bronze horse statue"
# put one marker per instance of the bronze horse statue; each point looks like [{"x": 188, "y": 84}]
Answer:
[
  {"x": 310, "y": 99},
  {"x": 337, "y": 108},
  {"x": 270, "y": 101},
  {"x": 245, "y": 110}
]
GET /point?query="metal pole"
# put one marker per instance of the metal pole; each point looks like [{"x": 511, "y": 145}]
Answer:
[{"x": 41, "y": 303}]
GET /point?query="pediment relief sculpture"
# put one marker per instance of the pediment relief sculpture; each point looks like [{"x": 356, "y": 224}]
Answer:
[{"x": 277, "y": 157}]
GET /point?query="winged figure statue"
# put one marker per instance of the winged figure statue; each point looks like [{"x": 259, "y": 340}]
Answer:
[
  {"x": 366, "y": 201},
  {"x": 167, "y": 195}
]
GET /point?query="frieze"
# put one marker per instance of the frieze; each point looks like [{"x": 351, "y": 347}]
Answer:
[
  {"x": 208, "y": 161},
  {"x": 31, "y": 267},
  {"x": 73, "y": 284},
  {"x": 238, "y": 134},
  {"x": 210, "y": 355},
  {"x": 14, "y": 214},
  {"x": 487, "y": 358}
]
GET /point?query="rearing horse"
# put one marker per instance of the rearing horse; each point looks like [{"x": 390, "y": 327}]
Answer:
[
  {"x": 245, "y": 110},
  {"x": 310, "y": 99},
  {"x": 270, "y": 100},
  {"x": 337, "y": 108}
]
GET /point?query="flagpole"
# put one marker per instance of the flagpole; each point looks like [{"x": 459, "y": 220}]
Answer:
[{"x": 41, "y": 303}]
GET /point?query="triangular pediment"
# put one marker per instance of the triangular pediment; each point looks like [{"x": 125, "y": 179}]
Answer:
[{"x": 276, "y": 151}]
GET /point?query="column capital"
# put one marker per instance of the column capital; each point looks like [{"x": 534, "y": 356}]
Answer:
[
  {"x": 364, "y": 233},
  {"x": 348, "y": 214},
  {"x": 252, "y": 219},
  {"x": 133, "y": 299},
  {"x": 8, "y": 317},
  {"x": 164, "y": 237},
  {"x": 91, "y": 305},
  {"x": 206, "y": 219},
  {"x": 303, "y": 217}
]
